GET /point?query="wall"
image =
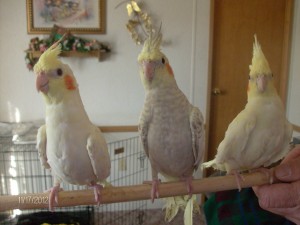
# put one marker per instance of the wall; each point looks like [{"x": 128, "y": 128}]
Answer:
[
  {"x": 111, "y": 90},
  {"x": 293, "y": 109}
]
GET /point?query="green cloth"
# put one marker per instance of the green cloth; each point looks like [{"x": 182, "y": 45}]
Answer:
[{"x": 239, "y": 208}]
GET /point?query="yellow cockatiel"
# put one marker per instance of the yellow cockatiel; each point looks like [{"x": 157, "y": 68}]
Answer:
[
  {"x": 68, "y": 144},
  {"x": 260, "y": 134}
]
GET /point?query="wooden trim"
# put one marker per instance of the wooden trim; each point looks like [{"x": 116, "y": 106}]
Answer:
[
  {"x": 296, "y": 128},
  {"x": 209, "y": 82},
  {"x": 129, "y": 193},
  {"x": 110, "y": 129},
  {"x": 286, "y": 50}
]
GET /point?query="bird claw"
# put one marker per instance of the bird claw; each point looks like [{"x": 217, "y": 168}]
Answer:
[
  {"x": 154, "y": 189},
  {"x": 97, "y": 192},
  {"x": 53, "y": 196},
  {"x": 189, "y": 186},
  {"x": 238, "y": 178}
]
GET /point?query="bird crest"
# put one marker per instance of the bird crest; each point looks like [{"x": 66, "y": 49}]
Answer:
[
  {"x": 49, "y": 59},
  {"x": 260, "y": 64},
  {"x": 152, "y": 43}
]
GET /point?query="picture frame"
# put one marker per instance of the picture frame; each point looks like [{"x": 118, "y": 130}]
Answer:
[{"x": 77, "y": 16}]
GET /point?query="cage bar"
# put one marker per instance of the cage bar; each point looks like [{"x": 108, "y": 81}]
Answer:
[{"x": 21, "y": 173}]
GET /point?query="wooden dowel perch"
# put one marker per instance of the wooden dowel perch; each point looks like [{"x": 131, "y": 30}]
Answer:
[{"x": 129, "y": 193}]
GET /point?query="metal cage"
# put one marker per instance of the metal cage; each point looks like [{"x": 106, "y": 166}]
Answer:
[{"x": 21, "y": 172}]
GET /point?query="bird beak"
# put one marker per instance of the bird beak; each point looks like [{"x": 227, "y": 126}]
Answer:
[
  {"x": 261, "y": 83},
  {"x": 149, "y": 68},
  {"x": 42, "y": 82}
]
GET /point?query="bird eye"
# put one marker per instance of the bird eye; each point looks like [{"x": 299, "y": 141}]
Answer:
[
  {"x": 59, "y": 72},
  {"x": 163, "y": 60}
]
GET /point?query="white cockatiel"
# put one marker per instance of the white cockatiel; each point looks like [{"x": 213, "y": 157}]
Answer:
[
  {"x": 68, "y": 143},
  {"x": 171, "y": 129},
  {"x": 260, "y": 134}
]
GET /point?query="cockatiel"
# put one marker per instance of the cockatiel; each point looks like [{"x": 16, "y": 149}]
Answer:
[
  {"x": 68, "y": 143},
  {"x": 171, "y": 129},
  {"x": 260, "y": 134}
]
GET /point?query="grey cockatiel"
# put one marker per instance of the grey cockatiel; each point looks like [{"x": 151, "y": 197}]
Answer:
[
  {"x": 68, "y": 143},
  {"x": 171, "y": 129},
  {"x": 260, "y": 134}
]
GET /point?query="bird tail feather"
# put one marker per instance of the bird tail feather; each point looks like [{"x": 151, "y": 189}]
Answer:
[
  {"x": 186, "y": 203},
  {"x": 208, "y": 164},
  {"x": 191, "y": 208},
  {"x": 106, "y": 184}
]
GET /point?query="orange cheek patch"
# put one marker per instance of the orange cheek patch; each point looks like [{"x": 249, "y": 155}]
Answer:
[
  {"x": 169, "y": 68},
  {"x": 69, "y": 82}
]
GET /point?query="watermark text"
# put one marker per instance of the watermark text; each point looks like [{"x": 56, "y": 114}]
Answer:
[{"x": 36, "y": 200}]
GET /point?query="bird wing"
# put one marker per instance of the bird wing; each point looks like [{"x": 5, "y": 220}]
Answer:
[
  {"x": 98, "y": 153},
  {"x": 143, "y": 131},
  {"x": 197, "y": 130},
  {"x": 144, "y": 122},
  {"x": 41, "y": 145},
  {"x": 236, "y": 137},
  {"x": 275, "y": 136}
]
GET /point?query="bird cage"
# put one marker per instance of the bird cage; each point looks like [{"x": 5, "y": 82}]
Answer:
[{"x": 21, "y": 173}]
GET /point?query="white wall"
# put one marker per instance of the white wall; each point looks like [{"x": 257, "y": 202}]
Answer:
[
  {"x": 293, "y": 110},
  {"x": 111, "y": 90}
]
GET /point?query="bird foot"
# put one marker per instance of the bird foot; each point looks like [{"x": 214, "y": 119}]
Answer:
[
  {"x": 238, "y": 178},
  {"x": 154, "y": 189},
  {"x": 189, "y": 186},
  {"x": 53, "y": 196},
  {"x": 97, "y": 192}
]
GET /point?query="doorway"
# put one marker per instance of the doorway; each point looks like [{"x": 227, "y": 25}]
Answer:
[{"x": 234, "y": 24}]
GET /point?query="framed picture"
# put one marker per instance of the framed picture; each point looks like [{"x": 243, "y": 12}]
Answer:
[{"x": 77, "y": 16}]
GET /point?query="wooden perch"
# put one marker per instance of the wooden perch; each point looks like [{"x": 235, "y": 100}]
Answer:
[
  {"x": 109, "y": 129},
  {"x": 129, "y": 193}
]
